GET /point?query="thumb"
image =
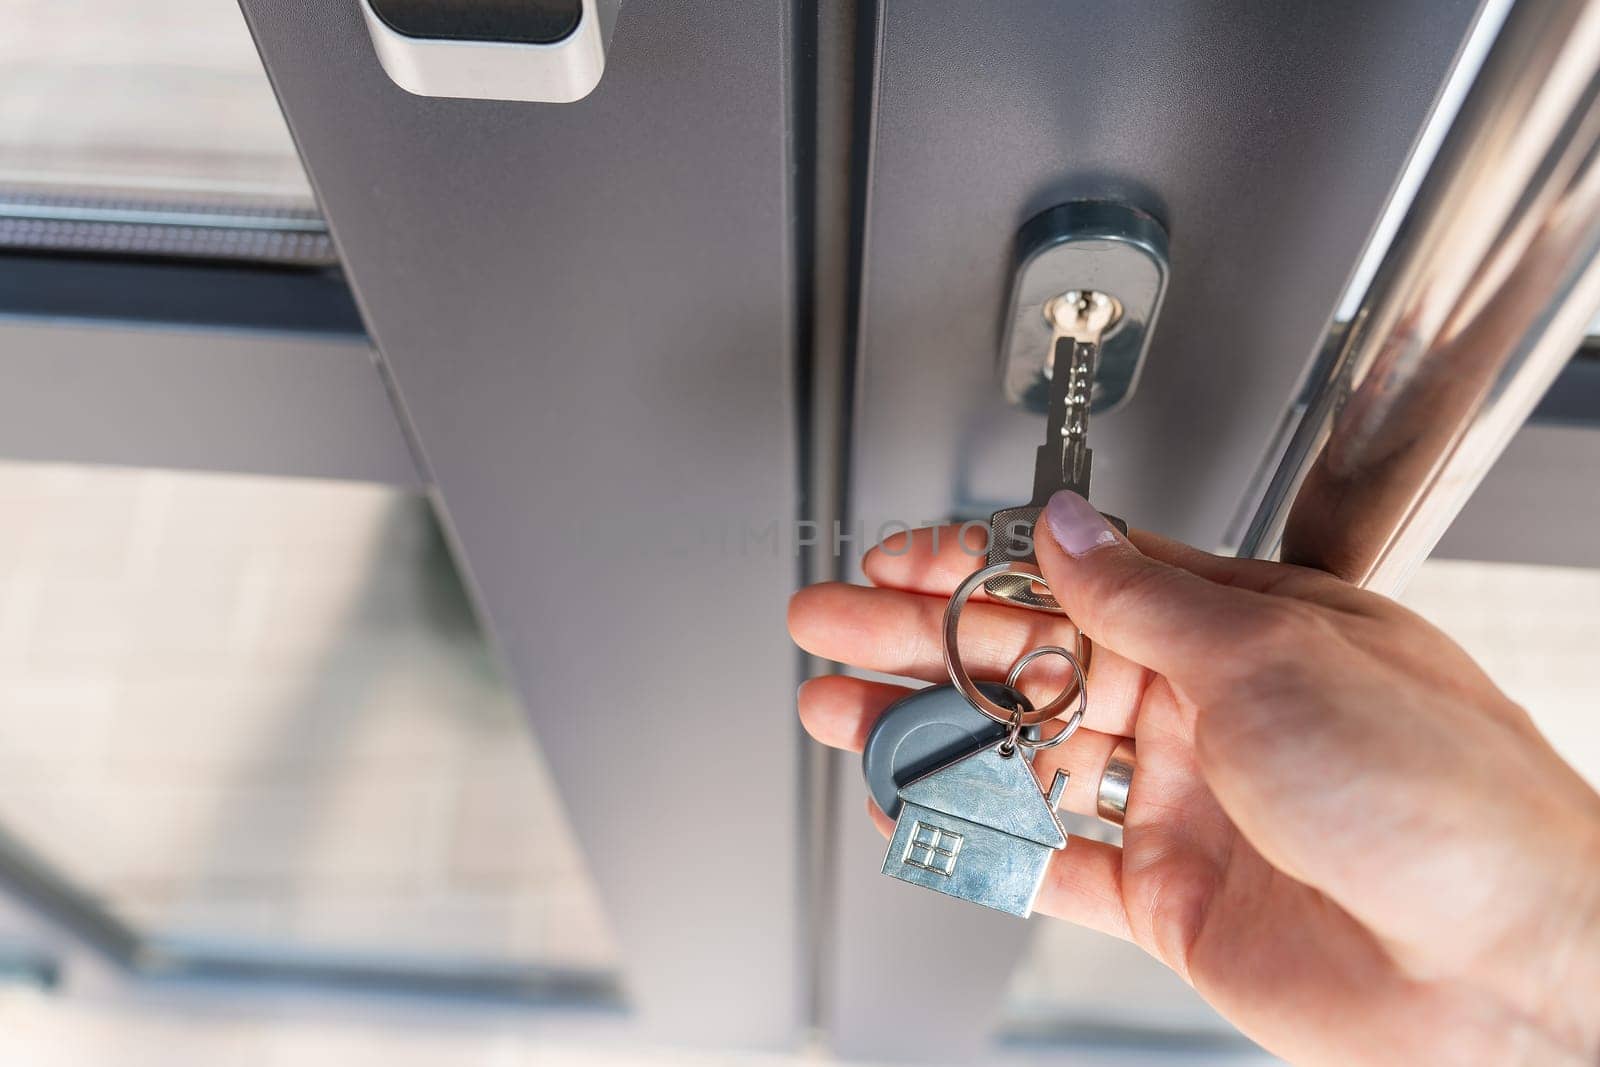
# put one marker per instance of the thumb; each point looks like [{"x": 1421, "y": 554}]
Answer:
[{"x": 1163, "y": 617}]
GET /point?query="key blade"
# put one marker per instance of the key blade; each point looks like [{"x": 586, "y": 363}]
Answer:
[{"x": 1064, "y": 460}]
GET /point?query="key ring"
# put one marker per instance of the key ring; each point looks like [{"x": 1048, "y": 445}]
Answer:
[
  {"x": 1015, "y": 738},
  {"x": 963, "y": 681}
]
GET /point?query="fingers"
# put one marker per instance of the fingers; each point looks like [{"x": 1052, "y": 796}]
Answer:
[
  {"x": 884, "y": 824},
  {"x": 1160, "y": 615},
  {"x": 1176, "y": 609},
  {"x": 1218, "y": 602},
  {"x": 1116, "y": 689},
  {"x": 930, "y": 559},
  {"x": 894, "y": 632},
  {"x": 935, "y": 559},
  {"x": 1261, "y": 576},
  {"x": 1083, "y": 885},
  {"x": 1084, "y": 758},
  {"x": 840, "y": 711},
  {"x": 899, "y": 633}
]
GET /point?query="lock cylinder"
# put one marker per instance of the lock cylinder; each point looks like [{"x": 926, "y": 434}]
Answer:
[{"x": 1089, "y": 267}]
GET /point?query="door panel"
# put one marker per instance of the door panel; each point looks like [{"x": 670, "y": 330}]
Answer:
[
  {"x": 585, "y": 310},
  {"x": 1266, "y": 137}
]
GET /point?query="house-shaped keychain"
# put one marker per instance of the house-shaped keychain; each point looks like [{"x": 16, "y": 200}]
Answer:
[{"x": 979, "y": 828}]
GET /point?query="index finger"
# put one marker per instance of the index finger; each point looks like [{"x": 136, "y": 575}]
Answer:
[{"x": 934, "y": 560}]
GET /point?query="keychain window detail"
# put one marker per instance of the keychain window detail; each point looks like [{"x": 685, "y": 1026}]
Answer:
[{"x": 933, "y": 848}]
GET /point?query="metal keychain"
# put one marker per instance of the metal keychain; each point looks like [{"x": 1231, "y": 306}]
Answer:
[
  {"x": 963, "y": 681},
  {"x": 980, "y": 828}
]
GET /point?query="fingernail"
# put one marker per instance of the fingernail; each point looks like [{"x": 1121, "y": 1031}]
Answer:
[{"x": 1076, "y": 525}]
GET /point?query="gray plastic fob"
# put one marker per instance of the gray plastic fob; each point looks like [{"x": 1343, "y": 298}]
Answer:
[{"x": 926, "y": 730}]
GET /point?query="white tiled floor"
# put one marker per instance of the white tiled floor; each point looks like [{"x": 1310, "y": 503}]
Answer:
[
  {"x": 41, "y": 1031},
  {"x": 259, "y": 710},
  {"x": 1536, "y": 631}
]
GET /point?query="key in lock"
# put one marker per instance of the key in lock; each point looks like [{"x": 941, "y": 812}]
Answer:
[
  {"x": 1089, "y": 284},
  {"x": 1079, "y": 317}
]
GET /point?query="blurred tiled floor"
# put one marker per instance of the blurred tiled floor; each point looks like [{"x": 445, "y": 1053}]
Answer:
[
  {"x": 1536, "y": 631},
  {"x": 40, "y": 1031},
  {"x": 259, "y": 711}
]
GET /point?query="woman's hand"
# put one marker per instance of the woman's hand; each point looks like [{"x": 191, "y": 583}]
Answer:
[{"x": 1340, "y": 832}]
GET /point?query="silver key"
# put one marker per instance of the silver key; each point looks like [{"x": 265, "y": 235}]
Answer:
[{"x": 1079, "y": 319}]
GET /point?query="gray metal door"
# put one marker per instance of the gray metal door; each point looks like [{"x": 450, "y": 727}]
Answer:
[{"x": 586, "y": 314}]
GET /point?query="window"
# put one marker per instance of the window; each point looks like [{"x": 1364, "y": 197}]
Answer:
[
  {"x": 933, "y": 849},
  {"x": 147, "y": 129}
]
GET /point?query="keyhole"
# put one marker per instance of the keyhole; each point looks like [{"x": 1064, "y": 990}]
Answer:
[{"x": 1083, "y": 313}]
